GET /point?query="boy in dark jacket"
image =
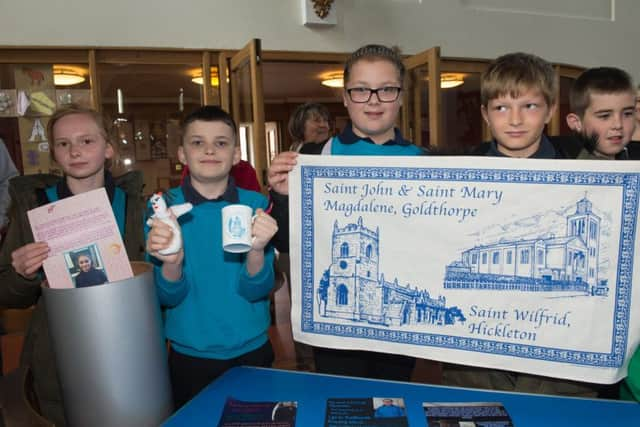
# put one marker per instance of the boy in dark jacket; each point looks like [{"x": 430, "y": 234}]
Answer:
[
  {"x": 602, "y": 117},
  {"x": 518, "y": 100},
  {"x": 518, "y": 97}
]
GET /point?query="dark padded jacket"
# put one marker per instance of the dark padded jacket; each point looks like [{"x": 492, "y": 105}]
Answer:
[{"x": 17, "y": 292}]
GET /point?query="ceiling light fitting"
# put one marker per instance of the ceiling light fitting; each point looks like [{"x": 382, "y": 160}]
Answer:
[
  {"x": 448, "y": 81},
  {"x": 332, "y": 80},
  {"x": 66, "y": 76},
  {"x": 197, "y": 77}
]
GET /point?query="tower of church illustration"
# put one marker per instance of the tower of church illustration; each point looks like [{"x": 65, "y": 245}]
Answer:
[
  {"x": 546, "y": 263},
  {"x": 352, "y": 287}
]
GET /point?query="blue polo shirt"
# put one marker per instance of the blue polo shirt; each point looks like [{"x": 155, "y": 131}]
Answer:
[
  {"x": 215, "y": 310},
  {"x": 389, "y": 411},
  {"x": 350, "y": 144}
]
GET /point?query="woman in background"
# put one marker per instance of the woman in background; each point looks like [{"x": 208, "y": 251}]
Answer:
[{"x": 309, "y": 128}]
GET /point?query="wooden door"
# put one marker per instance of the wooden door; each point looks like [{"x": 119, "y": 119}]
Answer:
[
  {"x": 421, "y": 102},
  {"x": 247, "y": 103}
]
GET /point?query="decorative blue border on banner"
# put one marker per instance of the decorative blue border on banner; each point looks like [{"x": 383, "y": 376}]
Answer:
[{"x": 629, "y": 183}]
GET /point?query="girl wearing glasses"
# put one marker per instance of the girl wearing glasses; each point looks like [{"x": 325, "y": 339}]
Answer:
[{"x": 373, "y": 77}]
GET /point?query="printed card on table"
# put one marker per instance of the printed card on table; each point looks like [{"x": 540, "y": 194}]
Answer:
[
  {"x": 83, "y": 237},
  {"x": 239, "y": 413},
  {"x": 467, "y": 414},
  {"x": 517, "y": 264},
  {"x": 366, "y": 412}
]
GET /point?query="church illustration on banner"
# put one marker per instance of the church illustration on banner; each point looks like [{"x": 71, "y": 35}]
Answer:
[
  {"x": 352, "y": 287},
  {"x": 566, "y": 264}
]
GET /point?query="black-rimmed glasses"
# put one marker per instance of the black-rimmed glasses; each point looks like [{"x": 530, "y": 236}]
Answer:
[{"x": 361, "y": 95}]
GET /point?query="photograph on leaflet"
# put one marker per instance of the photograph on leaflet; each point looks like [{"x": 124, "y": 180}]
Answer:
[{"x": 86, "y": 247}]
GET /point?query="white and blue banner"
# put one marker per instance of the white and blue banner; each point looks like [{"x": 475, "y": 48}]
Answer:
[{"x": 523, "y": 265}]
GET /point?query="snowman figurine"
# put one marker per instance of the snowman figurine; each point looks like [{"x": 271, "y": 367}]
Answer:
[{"x": 163, "y": 213}]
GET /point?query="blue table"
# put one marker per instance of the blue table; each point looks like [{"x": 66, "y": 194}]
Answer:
[{"x": 311, "y": 391}]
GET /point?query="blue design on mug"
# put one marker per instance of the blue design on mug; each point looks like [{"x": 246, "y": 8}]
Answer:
[{"x": 235, "y": 227}]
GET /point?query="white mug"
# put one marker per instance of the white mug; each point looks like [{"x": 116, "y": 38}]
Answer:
[{"x": 236, "y": 228}]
